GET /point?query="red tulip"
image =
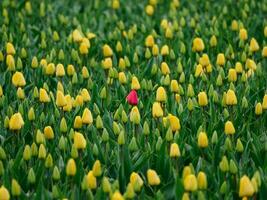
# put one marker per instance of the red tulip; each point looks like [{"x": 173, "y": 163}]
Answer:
[{"x": 132, "y": 98}]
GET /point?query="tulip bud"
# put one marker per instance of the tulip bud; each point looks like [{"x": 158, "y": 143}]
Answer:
[
  {"x": 42, "y": 152},
  {"x": 198, "y": 45},
  {"x": 246, "y": 188},
  {"x": 91, "y": 180},
  {"x": 258, "y": 109},
  {"x": 56, "y": 174},
  {"x": 49, "y": 161},
  {"x": 229, "y": 128},
  {"x": 27, "y": 153},
  {"x": 233, "y": 167},
  {"x": 106, "y": 185},
  {"x": 224, "y": 165},
  {"x": 97, "y": 171},
  {"x": 202, "y": 99},
  {"x": 157, "y": 110},
  {"x": 135, "y": 115},
  {"x": 239, "y": 146},
  {"x": 71, "y": 167},
  {"x": 79, "y": 141},
  {"x": 190, "y": 183},
  {"x": 15, "y": 188},
  {"x": 174, "y": 151},
  {"x": 4, "y": 193},
  {"x": 203, "y": 140},
  {"x": 31, "y": 176},
  {"x": 121, "y": 138},
  {"x": 152, "y": 177},
  {"x": 202, "y": 181}
]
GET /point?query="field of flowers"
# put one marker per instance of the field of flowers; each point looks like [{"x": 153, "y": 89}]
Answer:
[{"x": 133, "y": 99}]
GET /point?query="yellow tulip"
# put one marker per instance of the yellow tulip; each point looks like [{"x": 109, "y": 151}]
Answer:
[
  {"x": 161, "y": 95},
  {"x": 18, "y": 79},
  {"x": 97, "y": 171},
  {"x": 43, "y": 96},
  {"x": 243, "y": 35},
  {"x": 152, "y": 177},
  {"x": 230, "y": 98},
  {"x": 77, "y": 36},
  {"x": 10, "y": 48},
  {"x": 232, "y": 75},
  {"x": 190, "y": 183},
  {"x": 198, "y": 45},
  {"x": 79, "y": 141},
  {"x": 60, "y": 71},
  {"x": 135, "y": 115},
  {"x": 149, "y": 41},
  {"x": 254, "y": 46},
  {"x": 202, "y": 180},
  {"x": 48, "y": 132},
  {"x": 174, "y": 151},
  {"x": 149, "y": 10},
  {"x": 107, "y": 63},
  {"x": 60, "y": 100},
  {"x": 117, "y": 196},
  {"x": 220, "y": 59},
  {"x": 50, "y": 69},
  {"x": 258, "y": 109},
  {"x": 16, "y": 122},
  {"x": 91, "y": 180},
  {"x": 229, "y": 128},
  {"x": 71, "y": 167},
  {"x": 246, "y": 188},
  {"x": 4, "y": 193},
  {"x": 203, "y": 141},
  {"x": 87, "y": 117},
  {"x": 202, "y": 99},
  {"x": 264, "y": 102},
  {"x": 135, "y": 83},
  {"x": 174, "y": 123},
  {"x": 107, "y": 51}
]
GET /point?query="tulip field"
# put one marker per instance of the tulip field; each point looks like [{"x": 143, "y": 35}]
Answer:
[{"x": 133, "y": 99}]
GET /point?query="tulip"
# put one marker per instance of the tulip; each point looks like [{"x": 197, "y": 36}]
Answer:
[
  {"x": 149, "y": 10},
  {"x": 132, "y": 98},
  {"x": 122, "y": 78},
  {"x": 230, "y": 98},
  {"x": 232, "y": 76},
  {"x": 202, "y": 181},
  {"x": 48, "y": 132},
  {"x": 246, "y": 188},
  {"x": 157, "y": 110},
  {"x": 174, "y": 151},
  {"x": 174, "y": 123},
  {"x": 135, "y": 115},
  {"x": 43, "y": 96},
  {"x": 15, "y": 188},
  {"x": 60, "y": 100},
  {"x": 258, "y": 109},
  {"x": 135, "y": 83},
  {"x": 77, "y": 36},
  {"x": 152, "y": 177},
  {"x": 136, "y": 181},
  {"x": 18, "y": 79},
  {"x": 243, "y": 34},
  {"x": 107, "y": 63},
  {"x": 203, "y": 141},
  {"x": 10, "y": 48},
  {"x": 97, "y": 171},
  {"x": 60, "y": 71},
  {"x": 91, "y": 179},
  {"x": 165, "y": 68},
  {"x": 50, "y": 69},
  {"x": 220, "y": 59},
  {"x": 264, "y": 102},
  {"x": 190, "y": 183},
  {"x": 117, "y": 196},
  {"x": 107, "y": 51},
  {"x": 264, "y": 52},
  {"x": 87, "y": 117},
  {"x": 164, "y": 50},
  {"x": 79, "y": 141},
  {"x": 161, "y": 95},
  {"x": 71, "y": 167},
  {"x": 149, "y": 41},
  {"x": 229, "y": 128},
  {"x": 198, "y": 45},
  {"x": 4, "y": 193},
  {"x": 202, "y": 99},
  {"x": 16, "y": 122},
  {"x": 254, "y": 46},
  {"x": 10, "y": 62}
]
